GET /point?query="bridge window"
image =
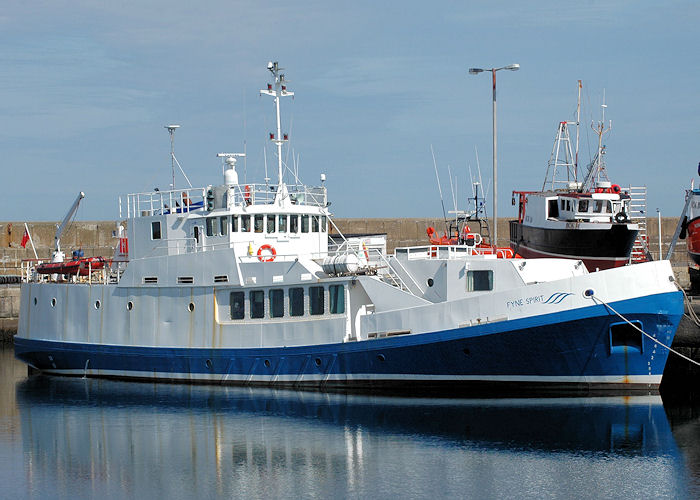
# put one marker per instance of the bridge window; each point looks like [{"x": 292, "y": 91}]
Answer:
[
  {"x": 211, "y": 226},
  {"x": 296, "y": 301},
  {"x": 258, "y": 223},
  {"x": 282, "y": 223},
  {"x": 270, "y": 223},
  {"x": 337, "y": 299},
  {"x": 293, "y": 223},
  {"x": 314, "y": 224},
  {"x": 304, "y": 223},
  {"x": 552, "y": 208},
  {"x": 276, "y": 303},
  {"x": 598, "y": 206},
  {"x": 583, "y": 206},
  {"x": 237, "y": 305},
  {"x": 324, "y": 223},
  {"x": 223, "y": 225},
  {"x": 155, "y": 230},
  {"x": 245, "y": 223},
  {"x": 316, "y": 305},
  {"x": 479, "y": 281},
  {"x": 257, "y": 303},
  {"x": 234, "y": 224}
]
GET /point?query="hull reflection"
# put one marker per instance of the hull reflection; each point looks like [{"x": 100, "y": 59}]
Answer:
[{"x": 200, "y": 440}]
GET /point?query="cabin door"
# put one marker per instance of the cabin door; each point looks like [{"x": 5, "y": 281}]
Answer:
[{"x": 196, "y": 238}]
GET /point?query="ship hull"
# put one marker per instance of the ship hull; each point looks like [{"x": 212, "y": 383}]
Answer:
[
  {"x": 572, "y": 351},
  {"x": 599, "y": 249}
]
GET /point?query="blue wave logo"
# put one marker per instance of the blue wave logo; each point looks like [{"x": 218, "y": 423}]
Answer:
[{"x": 557, "y": 297}]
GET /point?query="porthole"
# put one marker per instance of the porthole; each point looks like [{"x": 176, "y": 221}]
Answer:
[
  {"x": 267, "y": 363},
  {"x": 35, "y": 301},
  {"x": 318, "y": 361},
  {"x": 466, "y": 351},
  {"x": 208, "y": 363},
  {"x": 190, "y": 307},
  {"x": 381, "y": 357},
  {"x": 129, "y": 306},
  {"x": 430, "y": 282},
  {"x": 97, "y": 304},
  {"x": 53, "y": 302}
]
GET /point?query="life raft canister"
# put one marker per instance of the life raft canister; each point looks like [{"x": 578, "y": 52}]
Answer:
[{"x": 267, "y": 258}]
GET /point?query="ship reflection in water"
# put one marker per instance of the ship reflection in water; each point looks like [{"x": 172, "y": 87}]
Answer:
[{"x": 120, "y": 439}]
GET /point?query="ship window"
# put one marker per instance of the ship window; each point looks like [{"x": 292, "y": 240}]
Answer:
[
  {"x": 155, "y": 230},
  {"x": 304, "y": 223},
  {"x": 598, "y": 206},
  {"x": 234, "y": 224},
  {"x": 552, "y": 208},
  {"x": 223, "y": 225},
  {"x": 479, "y": 281},
  {"x": 583, "y": 206},
  {"x": 276, "y": 303},
  {"x": 245, "y": 223},
  {"x": 316, "y": 300},
  {"x": 270, "y": 223},
  {"x": 258, "y": 223},
  {"x": 293, "y": 223},
  {"x": 296, "y": 301},
  {"x": 237, "y": 305},
  {"x": 314, "y": 224},
  {"x": 282, "y": 223},
  {"x": 324, "y": 223},
  {"x": 257, "y": 304},
  {"x": 337, "y": 299},
  {"x": 195, "y": 231},
  {"x": 563, "y": 204},
  {"x": 211, "y": 226}
]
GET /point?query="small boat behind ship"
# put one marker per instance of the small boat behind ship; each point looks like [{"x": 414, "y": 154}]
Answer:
[
  {"x": 239, "y": 286},
  {"x": 83, "y": 266},
  {"x": 588, "y": 221}
]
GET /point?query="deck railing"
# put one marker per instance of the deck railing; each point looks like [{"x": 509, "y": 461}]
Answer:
[{"x": 194, "y": 199}]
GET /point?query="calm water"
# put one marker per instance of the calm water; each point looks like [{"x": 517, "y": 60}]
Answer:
[{"x": 74, "y": 438}]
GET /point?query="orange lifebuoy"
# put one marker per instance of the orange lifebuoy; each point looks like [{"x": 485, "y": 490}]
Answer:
[
  {"x": 615, "y": 188},
  {"x": 246, "y": 195},
  {"x": 271, "y": 257}
]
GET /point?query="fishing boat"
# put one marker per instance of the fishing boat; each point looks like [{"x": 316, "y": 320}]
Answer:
[
  {"x": 588, "y": 221},
  {"x": 237, "y": 285},
  {"x": 691, "y": 224}
]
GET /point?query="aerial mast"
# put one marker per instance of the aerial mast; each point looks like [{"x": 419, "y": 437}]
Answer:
[
  {"x": 279, "y": 90},
  {"x": 171, "y": 131}
]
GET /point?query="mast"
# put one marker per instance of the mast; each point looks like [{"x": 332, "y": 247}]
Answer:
[
  {"x": 578, "y": 121},
  {"x": 279, "y": 90}
]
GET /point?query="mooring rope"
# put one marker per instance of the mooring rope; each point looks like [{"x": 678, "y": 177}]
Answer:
[
  {"x": 691, "y": 312},
  {"x": 592, "y": 296}
]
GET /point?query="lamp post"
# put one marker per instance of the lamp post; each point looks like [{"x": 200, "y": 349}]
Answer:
[{"x": 476, "y": 71}]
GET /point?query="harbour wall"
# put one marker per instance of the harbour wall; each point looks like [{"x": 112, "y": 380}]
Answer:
[{"x": 96, "y": 237}]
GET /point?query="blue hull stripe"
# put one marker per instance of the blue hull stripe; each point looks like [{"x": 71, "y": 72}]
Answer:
[{"x": 563, "y": 346}]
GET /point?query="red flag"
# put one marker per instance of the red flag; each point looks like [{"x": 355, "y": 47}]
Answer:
[{"x": 25, "y": 238}]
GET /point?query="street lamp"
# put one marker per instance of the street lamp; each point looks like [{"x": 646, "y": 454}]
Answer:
[{"x": 476, "y": 71}]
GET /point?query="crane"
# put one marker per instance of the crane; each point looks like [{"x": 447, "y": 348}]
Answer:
[{"x": 58, "y": 255}]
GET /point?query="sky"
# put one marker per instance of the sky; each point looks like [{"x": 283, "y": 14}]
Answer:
[{"x": 87, "y": 87}]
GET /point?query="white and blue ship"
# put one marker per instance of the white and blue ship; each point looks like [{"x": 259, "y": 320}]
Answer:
[{"x": 236, "y": 284}]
